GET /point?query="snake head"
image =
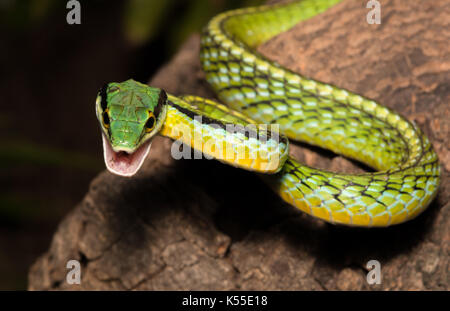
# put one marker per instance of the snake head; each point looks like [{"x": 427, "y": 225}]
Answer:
[{"x": 130, "y": 115}]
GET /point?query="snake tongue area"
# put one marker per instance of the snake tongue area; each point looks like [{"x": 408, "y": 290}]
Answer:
[{"x": 123, "y": 163}]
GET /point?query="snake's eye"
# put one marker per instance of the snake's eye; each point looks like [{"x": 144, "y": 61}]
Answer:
[
  {"x": 150, "y": 124},
  {"x": 105, "y": 119}
]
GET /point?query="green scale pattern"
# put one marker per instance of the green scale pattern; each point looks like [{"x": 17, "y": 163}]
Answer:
[{"x": 324, "y": 115}]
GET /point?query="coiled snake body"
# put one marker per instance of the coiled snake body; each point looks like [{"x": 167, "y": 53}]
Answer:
[{"x": 258, "y": 91}]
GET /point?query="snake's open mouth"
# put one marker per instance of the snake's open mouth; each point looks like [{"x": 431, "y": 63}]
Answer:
[{"x": 123, "y": 163}]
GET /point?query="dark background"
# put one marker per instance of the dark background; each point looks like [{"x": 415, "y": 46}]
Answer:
[{"x": 50, "y": 145}]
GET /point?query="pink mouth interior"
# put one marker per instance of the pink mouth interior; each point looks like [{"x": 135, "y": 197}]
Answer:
[{"x": 122, "y": 163}]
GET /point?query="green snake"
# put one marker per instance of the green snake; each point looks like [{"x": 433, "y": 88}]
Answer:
[{"x": 258, "y": 92}]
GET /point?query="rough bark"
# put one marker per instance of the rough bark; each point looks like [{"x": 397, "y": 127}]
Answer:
[{"x": 198, "y": 224}]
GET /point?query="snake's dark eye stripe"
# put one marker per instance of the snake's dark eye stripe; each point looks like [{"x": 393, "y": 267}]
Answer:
[
  {"x": 102, "y": 95},
  {"x": 161, "y": 101},
  {"x": 105, "y": 119}
]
